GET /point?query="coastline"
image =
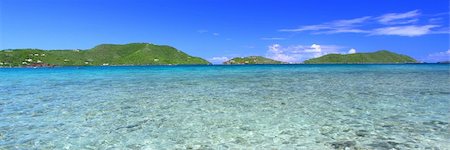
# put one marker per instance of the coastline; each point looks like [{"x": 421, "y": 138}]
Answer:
[{"x": 175, "y": 65}]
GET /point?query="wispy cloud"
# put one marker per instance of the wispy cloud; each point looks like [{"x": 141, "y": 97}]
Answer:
[
  {"x": 299, "y": 53},
  {"x": 410, "y": 30},
  {"x": 334, "y": 26},
  {"x": 399, "y": 18},
  {"x": 439, "y": 56},
  {"x": 307, "y": 28},
  {"x": 444, "y": 30},
  {"x": 399, "y": 24},
  {"x": 351, "y": 22},
  {"x": 334, "y": 31}
]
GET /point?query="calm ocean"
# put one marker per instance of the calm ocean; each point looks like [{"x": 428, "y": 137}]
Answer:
[{"x": 226, "y": 107}]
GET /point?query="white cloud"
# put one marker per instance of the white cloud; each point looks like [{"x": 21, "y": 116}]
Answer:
[
  {"x": 399, "y": 24},
  {"x": 275, "y": 48},
  {"x": 276, "y": 52},
  {"x": 404, "y": 30},
  {"x": 219, "y": 59},
  {"x": 314, "y": 49},
  {"x": 439, "y": 56},
  {"x": 351, "y": 51},
  {"x": 350, "y": 22},
  {"x": 299, "y": 53},
  {"x": 338, "y": 25},
  {"x": 307, "y": 28},
  {"x": 342, "y": 31},
  {"x": 399, "y": 18},
  {"x": 216, "y": 34}
]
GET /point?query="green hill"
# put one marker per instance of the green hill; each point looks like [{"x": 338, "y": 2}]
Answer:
[
  {"x": 105, "y": 54},
  {"x": 252, "y": 60},
  {"x": 383, "y": 56}
]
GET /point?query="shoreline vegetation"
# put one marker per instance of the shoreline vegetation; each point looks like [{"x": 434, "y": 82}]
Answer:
[
  {"x": 146, "y": 54},
  {"x": 382, "y": 56},
  {"x": 101, "y": 55},
  {"x": 285, "y": 64}
]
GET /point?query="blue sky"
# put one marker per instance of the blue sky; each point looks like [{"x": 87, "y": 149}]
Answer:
[{"x": 217, "y": 30}]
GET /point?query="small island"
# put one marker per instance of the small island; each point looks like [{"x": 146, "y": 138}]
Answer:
[
  {"x": 101, "y": 55},
  {"x": 252, "y": 60},
  {"x": 382, "y": 56},
  {"x": 378, "y": 57}
]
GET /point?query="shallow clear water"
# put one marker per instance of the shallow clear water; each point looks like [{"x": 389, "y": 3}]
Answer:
[{"x": 226, "y": 107}]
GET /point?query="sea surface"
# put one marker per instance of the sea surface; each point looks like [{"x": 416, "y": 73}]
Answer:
[{"x": 226, "y": 107}]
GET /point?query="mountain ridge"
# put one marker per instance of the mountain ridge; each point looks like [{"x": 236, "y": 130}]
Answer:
[
  {"x": 103, "y": 54},
  {"x": 381, "y": 56}
]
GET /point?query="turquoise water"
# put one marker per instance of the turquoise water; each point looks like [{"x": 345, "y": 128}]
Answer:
[{"x": 226, "y": 107}]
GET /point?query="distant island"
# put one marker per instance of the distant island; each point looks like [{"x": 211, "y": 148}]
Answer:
[
  {"x": 252, "y": 60},
  {"x": 382, "y": 56},
  {"x": 150, "y": 54},
  {"x": 101, "y": 55}
]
